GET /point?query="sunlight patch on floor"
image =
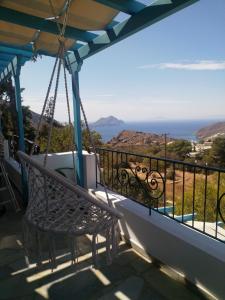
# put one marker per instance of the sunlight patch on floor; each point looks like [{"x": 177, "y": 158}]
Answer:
[
  {"x": 104, "y": 280},
  {"x": 121, "y": 296},
  {"x": 60, "y": 267},
  {"x": 43, "y": 290}
]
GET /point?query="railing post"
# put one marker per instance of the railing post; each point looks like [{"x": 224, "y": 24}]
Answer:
[
  {"x": 77, "y": 128},
  {"x": 16, "y": 74}
]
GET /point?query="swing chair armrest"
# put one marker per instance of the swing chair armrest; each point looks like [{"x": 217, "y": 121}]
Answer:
[{"x": 24, "y": 158}]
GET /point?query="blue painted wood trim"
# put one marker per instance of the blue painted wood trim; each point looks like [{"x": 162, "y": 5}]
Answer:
[
  {"x": 144, "y": 18},
  {"x": 16, "y": 73},
  {"x": 77, "y": 129},
  {"x": 127, "y": 6},
  {"x": 5, "y": 57},
  {"x": 26, "y": 51},
  {"x": 10, "y": 54},
  {"x": 30, "y": 21},
  {"x": 0, "y": 122}
]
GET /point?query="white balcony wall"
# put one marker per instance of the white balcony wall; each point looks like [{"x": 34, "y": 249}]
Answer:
[
  {"x": 65, "y": 160},
  {"x": 54, "y": 161},
  {"x": 199, "y": 258}
]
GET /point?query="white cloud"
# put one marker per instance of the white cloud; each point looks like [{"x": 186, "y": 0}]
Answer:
[
  {"x": 169, "y": 101},
  {"x": 202, "y": 65}
]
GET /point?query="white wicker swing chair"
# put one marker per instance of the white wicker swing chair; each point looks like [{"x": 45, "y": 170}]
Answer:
[{"x": 57, "y": 207}]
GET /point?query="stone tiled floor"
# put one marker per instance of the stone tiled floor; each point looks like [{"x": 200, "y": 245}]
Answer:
[{"x": 129, "y": 277}]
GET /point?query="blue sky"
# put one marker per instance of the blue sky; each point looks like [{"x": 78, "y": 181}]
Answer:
[{"x": 174, "y": 69}]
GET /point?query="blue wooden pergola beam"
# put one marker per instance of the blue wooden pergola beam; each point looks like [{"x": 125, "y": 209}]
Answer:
[
  {"x": 7, "y": 67},
  {"x": 5, "y": 57},
  {"x": 141, "y": 17},
  {"x": 34, "y": 22},
  {"x": 130, "y": 7},
  {"x": 146, "y": 17},
  {"x": 8, "y": 52},
  {"x": 16, "y": 65},
  {"x": 25, "y": 51}
]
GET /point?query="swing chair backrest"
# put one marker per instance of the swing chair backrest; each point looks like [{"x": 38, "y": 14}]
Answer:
[{"x": 56, "y": 204}]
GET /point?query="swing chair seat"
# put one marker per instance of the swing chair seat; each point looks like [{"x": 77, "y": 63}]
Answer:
[
  {"x": 67, "y": 172},
  {"x": 56, "y": 206}
]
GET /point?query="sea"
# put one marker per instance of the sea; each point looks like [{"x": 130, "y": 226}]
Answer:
[{"x": 176, "y": 129}]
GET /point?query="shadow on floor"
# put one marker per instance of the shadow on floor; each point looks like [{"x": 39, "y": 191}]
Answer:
[{"x": 129, "y": 277}]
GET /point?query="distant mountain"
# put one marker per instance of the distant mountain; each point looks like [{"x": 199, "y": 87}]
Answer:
[
  {"x": 108, "y": 121},
  {"x": 211, "y": 131}
]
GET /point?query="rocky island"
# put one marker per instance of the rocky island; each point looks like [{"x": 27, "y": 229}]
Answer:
[{"x": 107, "y": 121}]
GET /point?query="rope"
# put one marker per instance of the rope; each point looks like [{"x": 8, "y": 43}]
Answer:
[
  {"x": 54, "y": 15},
  {"x": 62, "y": 58},
  {"x": 37, "y": 133},
  {"x": 90, "y": 136},
  {"x": 66, "y": 18},
  {"x": 63, "y": 28},
  {"x": 63, "y": 200},
  {"x": 69, "y": 115},
  {"x": 60, "y": 55},
  {"x": 54, "y": 103}
]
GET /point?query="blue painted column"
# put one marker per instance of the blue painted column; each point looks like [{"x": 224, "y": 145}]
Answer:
[
  {"x": 77, "y": 128},
  {"x": 0, "y": 121},
  {"x": 16, "y": 74},
  {"x": 19, "y": 106}
]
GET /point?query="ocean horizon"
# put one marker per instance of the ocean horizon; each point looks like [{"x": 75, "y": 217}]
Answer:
[{"x": 176, "y": 129}]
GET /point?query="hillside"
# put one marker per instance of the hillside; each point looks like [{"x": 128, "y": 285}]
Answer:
[
  {"x": 128, "y": 137},
  {"x": 36, "y": 117},
  {"x": 211, "y": 131},
  {"x": 107, "y": 121}
]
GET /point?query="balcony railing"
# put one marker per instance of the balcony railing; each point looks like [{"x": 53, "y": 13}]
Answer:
[{"x": 188, "y": 193}]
